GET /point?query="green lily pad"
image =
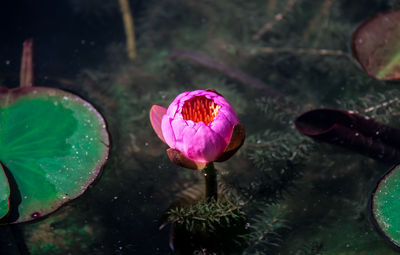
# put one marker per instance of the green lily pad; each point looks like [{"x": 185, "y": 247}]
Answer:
[
  {"x": 53, "y": 145},
  {"x": 385, "y": 205},
  {"x": 376, "y": 46},
  {"x": 4, "y": 193}
]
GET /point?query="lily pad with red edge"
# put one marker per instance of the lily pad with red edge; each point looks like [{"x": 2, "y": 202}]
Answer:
[
  {"x": 376, "y": 45},
  {"x": 53, "y": 144},
  {"x": 4, "y": 193},
  {"x": 385, "y": 205}
]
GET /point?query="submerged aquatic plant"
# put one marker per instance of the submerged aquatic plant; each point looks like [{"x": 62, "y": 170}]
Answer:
[
  {"x": 217, "y": 227},
  {"x": 199, "y": 127}
]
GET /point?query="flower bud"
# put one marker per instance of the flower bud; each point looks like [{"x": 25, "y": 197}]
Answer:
[{"x": 199, "y": 127}]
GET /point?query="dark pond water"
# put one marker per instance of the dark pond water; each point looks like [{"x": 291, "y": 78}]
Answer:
[{"x": 267, "y": 58}]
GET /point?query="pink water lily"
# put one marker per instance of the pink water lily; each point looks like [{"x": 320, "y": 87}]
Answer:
[{"x": 199, "y": 127}]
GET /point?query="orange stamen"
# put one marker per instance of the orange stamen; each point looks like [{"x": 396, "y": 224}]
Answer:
[{"x": 199, "y": 109}]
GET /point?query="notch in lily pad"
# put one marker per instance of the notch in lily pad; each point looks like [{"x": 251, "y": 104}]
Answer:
[
  {"x": 385, "y": 205},
  {"x": 53, "y": 145},
  {"x": 375, "y": 45}
]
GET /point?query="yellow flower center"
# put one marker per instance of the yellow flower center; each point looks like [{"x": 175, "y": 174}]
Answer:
[{"x": 199, "y": 109}]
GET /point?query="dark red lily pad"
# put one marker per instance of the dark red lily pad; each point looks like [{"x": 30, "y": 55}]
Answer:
[
  {"x": 353, "y": 131},
  {"x": 376, "y": 45}
]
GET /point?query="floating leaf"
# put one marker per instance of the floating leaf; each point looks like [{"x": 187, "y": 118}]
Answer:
[
  {"x": 385, "y": 205},
  {"x": 376, "y": 45},
  {"x": 4, "y": 193},
  {"x": 53, "y": 145},
  {"x": 353, "y": 131}
]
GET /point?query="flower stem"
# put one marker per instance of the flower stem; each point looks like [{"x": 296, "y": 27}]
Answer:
[
  {"x": 129, "y": 28},
  {"x": 26, "y": 71},
  {"x": 210, "y": 175}
]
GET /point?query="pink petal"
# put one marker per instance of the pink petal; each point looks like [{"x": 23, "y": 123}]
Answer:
[
  {"x": 181, "y": 95},
  {"x": 185, "y": 98},
  {"x": 221, "y": 101},
  {"x": 204, "y": 146},
  {"x": 230, "y": 114},
  {"x": 176, "y": 104},
  {"x": 238, "y": 136},
  {"x": 196, "y": 93},
  {"x": 167, "y": 131},
  {"x": 156, "y": 114},
  {"x": 172, "y": 108},
  {"x": 223, "y": 127},
  {"x": 178, "y": 125},
  {"x": 184, "y": 143}
]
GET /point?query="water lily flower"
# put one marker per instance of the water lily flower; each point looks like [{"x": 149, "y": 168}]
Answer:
[{"x": 199, "y": 127}]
